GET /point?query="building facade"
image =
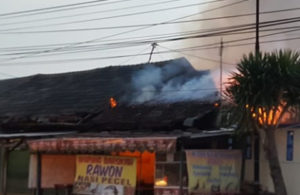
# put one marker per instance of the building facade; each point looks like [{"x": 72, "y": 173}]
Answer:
[{"x": 288, "y": 144}]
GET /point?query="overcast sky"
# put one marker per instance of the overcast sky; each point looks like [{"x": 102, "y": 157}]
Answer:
[{"x": 20, "y": 34}]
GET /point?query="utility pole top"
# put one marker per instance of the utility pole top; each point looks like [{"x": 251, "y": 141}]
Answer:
[
  {"x": 153, "y": 45},
  {"x": 257, "y": 28},
  {"x": 221, "y": 68}
]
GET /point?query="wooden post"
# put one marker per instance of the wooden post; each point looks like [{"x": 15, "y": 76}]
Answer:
[
  {"x": 181, "y": 169},
  {"x": 1, "y": 168},
  {"x": 39, "y": 175},
  {"x": 256, "y": 161},
  {"x": 5, "y": 155},
  {"x": 140, "y": 179}
]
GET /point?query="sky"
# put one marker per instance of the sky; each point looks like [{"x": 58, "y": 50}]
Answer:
[{"x": 36, "y": 42}]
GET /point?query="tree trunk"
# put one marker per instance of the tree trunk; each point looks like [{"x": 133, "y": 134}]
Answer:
[{"x": 272, "y": 155}]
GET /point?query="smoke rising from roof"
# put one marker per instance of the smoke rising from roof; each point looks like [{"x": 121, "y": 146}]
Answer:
[{"x": 176, "y": 81}]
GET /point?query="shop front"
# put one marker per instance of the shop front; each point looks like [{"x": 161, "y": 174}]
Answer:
[
  {"x": 97, "y": 165},
  {"x": 133, "y": 166}
]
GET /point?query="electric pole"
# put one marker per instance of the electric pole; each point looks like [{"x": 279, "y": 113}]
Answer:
[
  {"x": 257, "y": 28},
  {"x": 221, "y": 68},
  {"x": 256, "y": 134}
]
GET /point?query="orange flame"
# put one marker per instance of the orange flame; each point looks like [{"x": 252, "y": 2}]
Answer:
[
  {"x": 162, "y": 182},
  {"x": 216, "y": 104},
  {"x": 113, "y": 102},
  {"x": 270, "y": 117}
]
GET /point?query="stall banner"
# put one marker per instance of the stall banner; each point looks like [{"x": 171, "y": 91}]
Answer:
[
  {"x": 213, "y": 171},
  {"x": 105, "y": 175}
]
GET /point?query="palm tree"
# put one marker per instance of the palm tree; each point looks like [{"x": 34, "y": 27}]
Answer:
[{"x": 264, "y": 88}]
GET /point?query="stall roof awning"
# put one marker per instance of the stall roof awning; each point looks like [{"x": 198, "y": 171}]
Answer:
[
  {"x": 34, "y": 134},
  {"x": 94, "y": 145}
]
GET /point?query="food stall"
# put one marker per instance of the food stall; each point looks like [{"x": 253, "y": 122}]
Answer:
[{"x": 91, "y": 164}]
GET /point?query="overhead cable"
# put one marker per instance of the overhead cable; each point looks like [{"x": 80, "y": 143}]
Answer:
[
  {"x": 107, "y": 17},
  {"x": 126, "y": 32}
]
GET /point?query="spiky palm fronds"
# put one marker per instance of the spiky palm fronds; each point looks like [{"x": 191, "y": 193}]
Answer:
[{"x": 264, "y": 87}]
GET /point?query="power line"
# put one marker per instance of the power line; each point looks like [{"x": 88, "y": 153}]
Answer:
[
  {"x": 111, "y": 17},
  {"x": 216, "y": 44},
  {"x": 262, "y": 42},
  {"x": 271, "y": 23},
  {"x": 228, "y": 46},
  {"x": 267, "y": 35},
  {"x": 79, "y": 59},
  {"x": 137, "y": 38},
  {"x": 192, "y": 55},
  {"x": 183, "y": 49},
  {"x": 209, "y": 33},
  {"x": 131, "y": 58},
  {"x": 129, "y": 31},
  {"x": 8, "y": 31},
  {"x": 49, "y": 8},
  {"x": 134, "y": 43},
  {"x": 151, "y": 37},
  {"x": 95, "y": 47},
  {"x": 124, "y": 56},
  {"x": 34, "y": 47},
  {"x": 54, "y": 8},
  {"x": 90, "y": 13}
]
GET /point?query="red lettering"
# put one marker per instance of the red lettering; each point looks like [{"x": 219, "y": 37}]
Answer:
[
  {"x": 90, "y": 159},
  {"x": 117, "y": 161}
]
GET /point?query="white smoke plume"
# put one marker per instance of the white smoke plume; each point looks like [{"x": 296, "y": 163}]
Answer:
[{"x": 176, "y": 81}]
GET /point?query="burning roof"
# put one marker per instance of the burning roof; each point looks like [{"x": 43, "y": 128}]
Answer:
[{"x": 164, "y": 92}]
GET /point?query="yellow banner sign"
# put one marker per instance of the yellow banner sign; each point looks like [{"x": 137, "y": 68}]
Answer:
[
  {"x": 98, "y": 174},
  {"x": 213, "y": 171}
]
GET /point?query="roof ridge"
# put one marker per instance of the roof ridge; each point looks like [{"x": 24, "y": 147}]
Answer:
[{"x": 95, "y": 69}]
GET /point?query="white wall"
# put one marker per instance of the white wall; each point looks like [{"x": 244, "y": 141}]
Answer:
[{"x": 290, "y": 169}]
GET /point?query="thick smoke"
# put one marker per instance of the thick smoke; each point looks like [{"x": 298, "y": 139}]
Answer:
[{"x": 177, "y": 81}]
